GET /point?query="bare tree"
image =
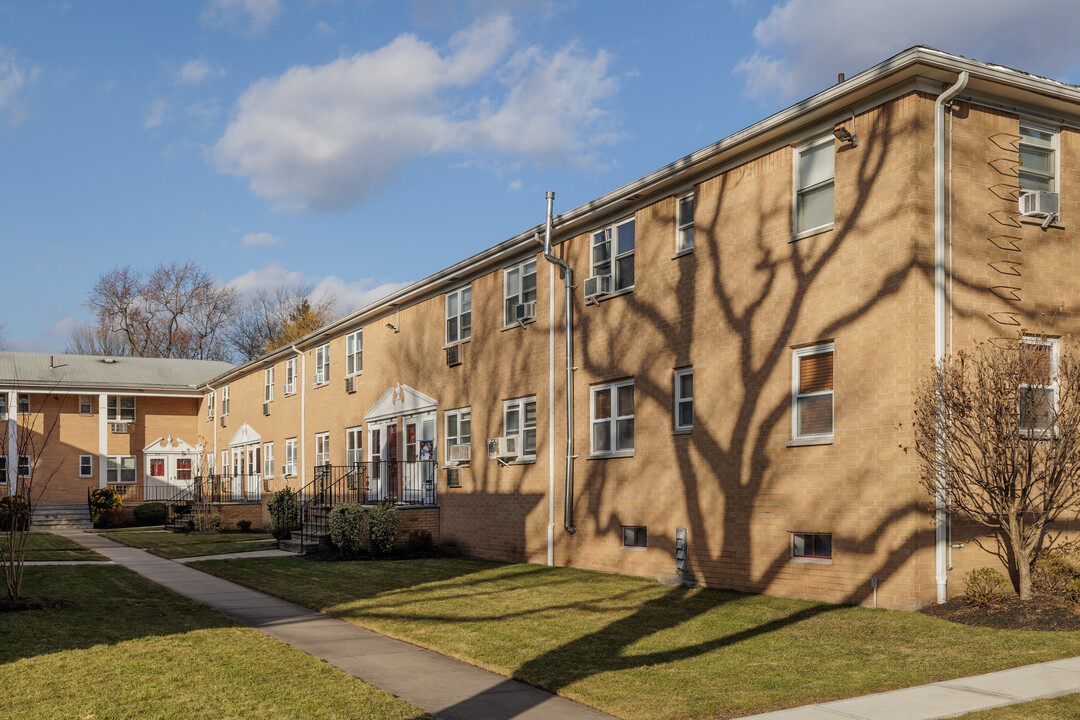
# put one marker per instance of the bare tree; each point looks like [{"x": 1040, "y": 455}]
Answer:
[
  {"x": 998, "y": 429},
  {"x": 95, "y": 339},
  {"x": 274, "y": 318},
  {"x": 173, "y": 311}
]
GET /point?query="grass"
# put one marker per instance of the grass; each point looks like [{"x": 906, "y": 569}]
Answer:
[
  {"x": 1066, "y": 707},
  {"x": 128, "y": 648},
  {"x": 638, "y": 649},
  {"x": 41, "y": 546},
  {"x": 180, "y": 545}
]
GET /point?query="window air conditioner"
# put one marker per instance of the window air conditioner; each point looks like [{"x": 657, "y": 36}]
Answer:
[
  {"x": 118, "y": 428},
  {"x": 350, "y": 385},
  {"x": 266, "y": 408},
  {"x": 459, "y": 453},
  {"x": 223, "y": 421},
  {"x": 501, "y": 448},
  {"x": 287, "y": 471},
  {"x": 597, "y": 285},
  {"x": 318, "y": 379},
  {"x": 453, "y": 355},
  {"x": 525, "y": 311},
  {"x": 1038, "y": 203}
]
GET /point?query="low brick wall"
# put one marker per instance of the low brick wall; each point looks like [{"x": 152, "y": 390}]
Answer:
[
  {"x": 417, "y": 518},
  {"x": 232, "y": 513}
]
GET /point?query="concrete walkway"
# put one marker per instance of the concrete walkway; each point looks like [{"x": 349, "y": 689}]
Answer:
[
  {"x": 448, "y": 689},
  {"x": 239, "y": 555}
]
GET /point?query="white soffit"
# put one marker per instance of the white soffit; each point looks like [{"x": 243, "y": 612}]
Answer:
[{"x": 244, "y": 436}]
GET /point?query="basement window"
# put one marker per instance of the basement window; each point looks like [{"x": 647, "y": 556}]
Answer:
[
  {"x": 635, "y": 536},
  {"x": 811, "y": 546}
]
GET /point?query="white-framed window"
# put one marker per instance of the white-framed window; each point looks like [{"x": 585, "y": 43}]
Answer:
[
  {"x": 290, "y": 376},
  {"x": 519, "y": 418},
  {"x": 157, "y": 467},
  {"x": 225, "y": 400},
  {"x": 684, "y": 399},
  {"x": 322, "y": 364},
  {"x": 209, "y": 463},
  {"x": 684, "y": 222},
  {"x": 613, "y": 254},
  {"x": 1038, "y": 158},
  {"x": 86, "y": 404},
  {"x": 3, "y": 470},
  {"x": 120, "y": 469},
  {"x": 812, "y": 392},
  {"x": 814, "y": 196},
  {"x": 121, "y": 408},
  {"x": 86, "y": 466},
  {"x": 459, "y": 314},
  {"x": 268, "y": 459},
  {"x": 322, "y": 449},
  {"x": 211, "y": 403},
  {"x": 290, "y": 457},
  {"x": 612, "y": 413},
  {"x": 224, "y": 462},
  {"x": 268, "y": 384},
  {"x": 24, "y": 403},
  {"x": 815, "y": 546},
  {"x": 24, "y": 466},
  {"x": 354, "y": 446},
  {"x": 519, "y": 286},
  {"x": 459, "y": 428},
  {"x": 3, "y": 406},
  {"x": 183, "y": 468},
  {"x": 354, "y": 352},
  {"x": 1039, "y": 392}
]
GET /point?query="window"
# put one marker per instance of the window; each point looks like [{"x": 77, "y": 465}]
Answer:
[
  {"x": 684, "y": 222},
  {"x": 354, "y": 443},
  {"x": 811, "y": 545},
  {"x": 290, "y": 376},
  {"x": 211, "y": 401},
  {"x": 3, "y": 406},
  {"x": 613, "y": 254},
  {"x": 86, "y": 466},
  {"x": 322, "y": 449},
  {"x": 3, "y": 470},
  {"x": 86, "y": 404},
  {"x": 812, "y": 392},
  {"x": 24, "y": 466},
  {"x": 684, "y": 399},
  {"x": 459, "y": 428},
  {"x": 1038, "y": 158},
  {"x": 121, "y": 409},
  {"x": 637, "y": 537},
  {"x": 209, "y": 464},
  {"x": 613, "y": 418},
  {"x": 1039, "y": 391},
  {"x": 814, "y": 185},
  {"x": 459, "y": 313},
  {"x": 354, "y": 353},
  {"x": 225, "y": 401},
  {"x": 183, "y": 468},
  {"x": 24, "y": 403},
  {"x": 322, "y": 364},
  {"x": 224, "y": 462},
  {"x": 519, "y": 418},
  {"x": 519, "y": 287},
  {"x": 268, "y": 459},
  {"x": 268, "y": 384},
  {"x": 157, "y": 467},
  {"x": 290, "y": 457},
  {"x": 120, "y": 469}
]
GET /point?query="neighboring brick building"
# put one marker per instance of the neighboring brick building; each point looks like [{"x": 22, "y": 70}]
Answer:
[{"x": 743, "y": 387}]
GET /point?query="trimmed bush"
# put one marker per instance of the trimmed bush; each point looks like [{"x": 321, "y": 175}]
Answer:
[
  {"x": 150, "y": 513},
  {"x": 382, "y": 527},
  {"x": 346, "y": 528},
  {"x": 1051, "y": 572},
  {"x": 105, "y": 506},
  {"x": 1072, "y": 593},
  {"x": 207, "y": 523},
  {"x": 985, "y": 587},
  {"x": 284, "y": 512},
  {"x": 14, "y": 510}
]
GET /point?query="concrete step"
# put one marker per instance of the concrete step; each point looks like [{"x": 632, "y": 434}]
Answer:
[{"x": 298, "y": 547}]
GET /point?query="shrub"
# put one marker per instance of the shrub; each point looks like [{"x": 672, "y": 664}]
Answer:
[
  {"x": 207, "y": 523},
  {"x": 243, "y": 525},
  {"x": 284, "y": 512},
  {"x": 382, "y": 527},
  {"x": 1072, "y": 593},
  {"x": 984, "y": 587},
  {"x": 1051, "y": 572},
  {"x": 420, "y": 543},
  {"x": 150, "y": 513},
  {"x": 14, "y": 510},
  {"x": 105, "y": 506},
  {"x": 346, "y": 528}
]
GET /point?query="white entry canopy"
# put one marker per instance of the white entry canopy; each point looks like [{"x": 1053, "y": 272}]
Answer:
[
  {"x": 244, "y": 436},
  {"x": 170, "y": 445},
  {"x": 400, "y": 400}
]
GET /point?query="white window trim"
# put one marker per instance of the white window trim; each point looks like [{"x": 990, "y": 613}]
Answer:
[
  {"x": 613, "y": 257},
  {"x": 324, "y": 438},
  {"x": 520, "y": 267},
  {"x": 356, "y": 433},
  {"x": 19, "y": 404},
  {"x": 681, "y": 228},
  {"x": 356, "y": 340},
  {"x": 322, "y": 365},
  {"x": 290, "y": 457},
  {"x": 290, "y": 368},
  {"x": 90, "y": 399},
  {"x": 115, "y": 415},
  {"x": 119, "y": 470},
  {"x": 795, "y": 189},
  {"x": 796, "y": 354},
  {"x": 29, "y": 466},
  {"x": 1055, "y": 348},
  {"x": 211, "y": 403},
  {"x": 225, "y": 401},
  {"x": 268, "y": 384},
  {"x": 459, "y": 293},
  {"x": 615, "y": 417},
  {"x": 679, "y": 374},
  {"x": 457, "y": 413},
  {"x": 90, "y": 458},
  {"x": 520, "y": 403},
  {"x": 268, "y": 459},
  {"x": 1055, "y": 146}
]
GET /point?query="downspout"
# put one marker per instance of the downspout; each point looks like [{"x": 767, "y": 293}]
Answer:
[
  {"x": 940, "y": 326},
  {"x": 568, "y": 280},
  {"x": 302, "y": 379},
  {"x": 551, "y": 416}
]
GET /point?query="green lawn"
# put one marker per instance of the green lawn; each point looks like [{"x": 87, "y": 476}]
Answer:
[
  {"x": 180, "y": 545},
  {"x": 638, "y": 649},
  {"x": 128, "y": 648},
  {"x": 46, "y": 546},
  {"x": 1066, "y": 707}
]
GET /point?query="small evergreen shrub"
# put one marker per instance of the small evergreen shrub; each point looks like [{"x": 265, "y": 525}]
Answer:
[
  {"x": 985, "y": 587},
  {"x": 346, "y": 528},
  {"x": 1072, "y": 593},
  {"x": 284, "y": 512},
  {"x": 14, "y": 510},
  {"x": 1051, "y": 572},
  {"x": 382, "y": 527},
  {"x": 243, "y": 525},
  {"x": 420, "y": 543},
  {"x": 150, "y": 513},
  {"x": 105, "y": 506},
  {"x": 207, "y": 523}
]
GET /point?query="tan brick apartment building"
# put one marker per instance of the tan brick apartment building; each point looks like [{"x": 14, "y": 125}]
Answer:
[{"x": 741, "y": 380}]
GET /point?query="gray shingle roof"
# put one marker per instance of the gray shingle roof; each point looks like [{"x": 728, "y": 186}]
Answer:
[{"x": 33, "y": 370}]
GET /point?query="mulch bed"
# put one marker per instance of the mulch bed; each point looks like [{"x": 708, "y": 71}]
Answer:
[
  {"x": 1042, "y": 612},
  {"x": 29, "y": 603}
]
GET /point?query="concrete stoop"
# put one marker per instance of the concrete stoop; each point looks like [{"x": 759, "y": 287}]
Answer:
[{"x": 61, "y": 517}]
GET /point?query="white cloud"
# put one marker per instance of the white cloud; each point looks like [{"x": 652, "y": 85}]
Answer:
[
  {"x": 260, "y": 240},
  {"x": 49, "y": 338},
  {"x": 802, "y": 44},
  {"x": 195, "y": 71},
  {"x": 324, "y": 28},
  {"x": 347, "y": 296},
  {"x": 14, "y": 76},
  {"x": 326, "y": 137},
  {"x": 266, "y": 278},
  {"x": 156, "y": 116},
  {"x": 245, "y": 17},
  {"x": 514, "y": 184}
]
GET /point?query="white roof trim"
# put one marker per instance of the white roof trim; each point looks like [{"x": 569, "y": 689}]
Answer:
[
  {"x": 170, "y": 446},
  {"x": 245, "y": 436},
  {"x": 400, "y": 400}
]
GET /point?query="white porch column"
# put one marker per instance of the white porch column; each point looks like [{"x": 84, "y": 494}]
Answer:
[
  {"x": 13, "y": 441},
  {"x": 103, "y": 438}
]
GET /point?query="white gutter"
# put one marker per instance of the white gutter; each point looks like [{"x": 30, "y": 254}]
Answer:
[{"x": 940, "y": 327}]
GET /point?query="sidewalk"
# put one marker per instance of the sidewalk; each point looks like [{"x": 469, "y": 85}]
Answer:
[{"x": 448, "y": 689}]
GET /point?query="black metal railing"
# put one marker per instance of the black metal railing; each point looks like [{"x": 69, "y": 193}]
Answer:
[
  {"x": 224, "y": 488},
  {"x": 134, "y": 493},
  {"x": 180, "y": 507}
]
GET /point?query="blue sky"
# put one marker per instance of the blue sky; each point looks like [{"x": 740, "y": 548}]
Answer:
[{"x": 362, "y": 145}]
